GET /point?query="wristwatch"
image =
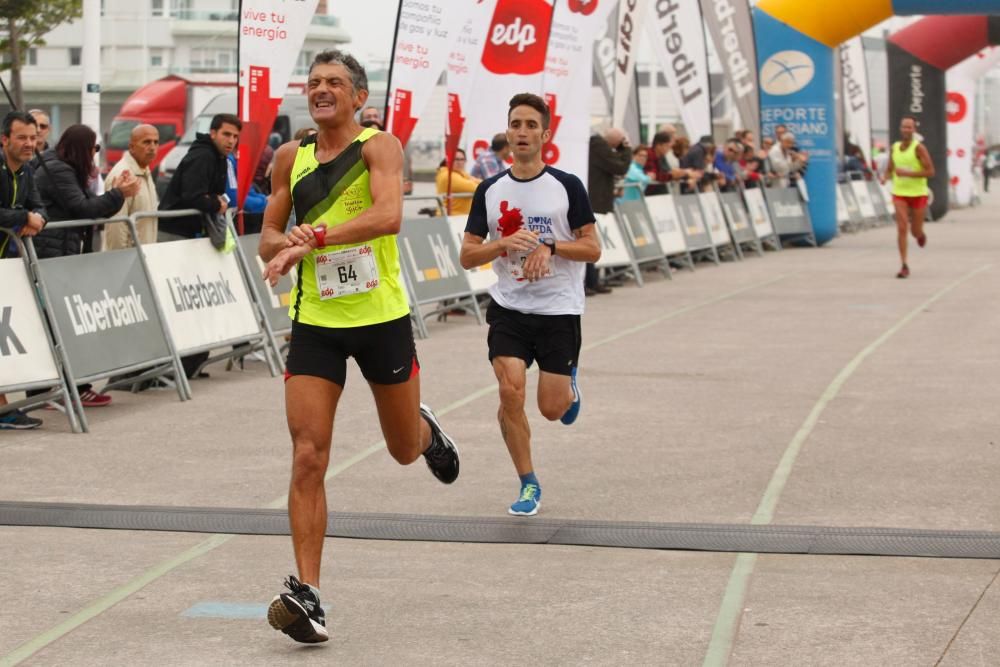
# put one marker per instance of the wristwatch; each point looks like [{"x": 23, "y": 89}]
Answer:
[
  {"x": 550, "y": 243},
  {"x": 320, "y": 234}
]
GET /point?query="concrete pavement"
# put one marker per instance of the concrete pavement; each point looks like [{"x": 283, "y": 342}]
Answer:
[{"x": 805, "y": 387}]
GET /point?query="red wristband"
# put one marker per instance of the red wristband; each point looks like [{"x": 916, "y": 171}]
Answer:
[{"x": 320, "y": 234}]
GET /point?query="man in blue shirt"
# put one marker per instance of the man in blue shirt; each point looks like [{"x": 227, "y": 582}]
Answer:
[
  {"x": 492, "y": 162},
  {"x": 726, "y": 162}
]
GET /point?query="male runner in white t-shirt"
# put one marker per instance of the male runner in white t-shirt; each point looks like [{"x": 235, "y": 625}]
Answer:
[{"x": 542, "y": 234}]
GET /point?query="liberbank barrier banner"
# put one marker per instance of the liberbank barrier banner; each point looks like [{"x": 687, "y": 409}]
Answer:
[
  {"x": 274, "y": 300},
  {"x": 426, "y": 32},
  {"x": 567, "y": 82},
  {"x": 103, "y": 307},
  {"x": 271, "y": 33},
  {"x": 855, "y": 101},
  {"x": 960, "y": 108},
  {"x": 667, "y": 223},
  {"x": 201, "y": 290},
  {"x": 731, "y": 26},
  {"x": 481, "y": 278},
  {"x": 512, "y": 60},
  {"x": 609, "y": 234},
  {"x": 428, "y": 254},
  {"x": 678, "y": 38},
  {"x": 25, "y": 355},
  {"x": 796, "y": 91}
]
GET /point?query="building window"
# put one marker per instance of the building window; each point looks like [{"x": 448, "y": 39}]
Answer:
[
  {"x": 102, "y": 7},
  {"x": 305, "y": 60},
  {"x": 156, "y": 57},
  {"x": 213, "y": 60},
  {"x": 32, "y": 57},
  {"x": 74, "y": 56},
  {"x": 157, "y": 7}
]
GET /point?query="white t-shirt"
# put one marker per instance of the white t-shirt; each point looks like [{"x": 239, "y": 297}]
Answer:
[{"x": 553, "y": 203}]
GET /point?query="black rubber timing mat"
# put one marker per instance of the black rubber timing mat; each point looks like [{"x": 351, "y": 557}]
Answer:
[{"x": 776, "y": 539}]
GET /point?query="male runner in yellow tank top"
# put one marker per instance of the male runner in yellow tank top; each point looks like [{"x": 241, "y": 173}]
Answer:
[
  {"x": 349, "y": 301},
  {"x": 909, "y": 166}
]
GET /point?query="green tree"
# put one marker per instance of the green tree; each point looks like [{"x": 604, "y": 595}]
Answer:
[{"x": 26, "y": 22}]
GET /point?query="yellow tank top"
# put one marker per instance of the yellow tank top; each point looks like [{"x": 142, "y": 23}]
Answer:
[
  {"x": 351, "y": 285},
  {"x": 907, "y": 186}
]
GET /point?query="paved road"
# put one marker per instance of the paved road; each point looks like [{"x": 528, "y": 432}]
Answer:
[{"x": 806, "y": 387}]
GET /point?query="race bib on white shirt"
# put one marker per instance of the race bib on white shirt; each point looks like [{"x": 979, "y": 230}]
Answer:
[
  {"x": 347, "y": 271},
  {"x": 515, "y": 264}
]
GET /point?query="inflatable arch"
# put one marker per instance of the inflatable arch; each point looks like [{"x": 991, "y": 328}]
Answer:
[
  {"x": 919, "y": 56},
  {"x": 795, "y": 52},
  {"x": 961, "y": 112}
]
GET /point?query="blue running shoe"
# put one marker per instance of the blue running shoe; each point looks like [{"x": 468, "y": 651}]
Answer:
[
  {"x": 574, "y": 409},
  {"x": 527, "y": 504}
]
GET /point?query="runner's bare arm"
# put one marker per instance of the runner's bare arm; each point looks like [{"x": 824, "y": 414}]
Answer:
[
  {"x": 279, "y": 203},
  {"x": 925, "y": 161},
  {"x": 476, "y": 251}
]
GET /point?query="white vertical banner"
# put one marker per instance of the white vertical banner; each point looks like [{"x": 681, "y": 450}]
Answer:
[
  {"x": 271, "y": 34},
  {"x": 512, "y": 61},
  {"x": 426, "y": 33},
  {"x": 678, "y": 38},
  {"x": 630, "y": 16},
  {"x": 856, "y": 99},
  {"x": 961, "y": 106},
  {"x": 567, "y": 81},
  {"x": 463, "y": 67}
]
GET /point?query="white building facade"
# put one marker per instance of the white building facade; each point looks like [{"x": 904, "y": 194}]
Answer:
[{"x": 145, "y": 40}]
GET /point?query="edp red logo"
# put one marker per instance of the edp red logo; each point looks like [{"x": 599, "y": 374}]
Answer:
[
  {"x": 957, "y": 107},
  {"x": 518, "y": 37},
  {"x": 585, "y": 7}
]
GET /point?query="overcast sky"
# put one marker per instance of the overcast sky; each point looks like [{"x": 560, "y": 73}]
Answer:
[{"x": 370, "y": 23}]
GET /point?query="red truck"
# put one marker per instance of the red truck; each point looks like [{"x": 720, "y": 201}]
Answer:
[{"x": 169, "y": 104}]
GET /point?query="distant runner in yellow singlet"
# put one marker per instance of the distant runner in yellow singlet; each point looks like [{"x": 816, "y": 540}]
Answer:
[
  {"x": 345, "y": 184},
  {"x": 909, "y": 167}
]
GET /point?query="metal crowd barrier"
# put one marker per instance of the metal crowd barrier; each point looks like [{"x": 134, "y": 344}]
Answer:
[
  {"x": 104, "y": 315},
  {"x": 23, "y": 326}
]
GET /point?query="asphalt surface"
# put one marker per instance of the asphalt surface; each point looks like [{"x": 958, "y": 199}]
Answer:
[{"x": 806, "y": 387}]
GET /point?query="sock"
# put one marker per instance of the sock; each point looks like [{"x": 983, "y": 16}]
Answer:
[{"x": 529, "y": 478}]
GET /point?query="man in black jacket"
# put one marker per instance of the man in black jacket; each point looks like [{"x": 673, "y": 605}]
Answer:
[
  {"x": 610, "y": 156},
  {"x": 21, "y": 212},
  {"x": 21, "y": 208},
  {"x": 200, "y": 179}
]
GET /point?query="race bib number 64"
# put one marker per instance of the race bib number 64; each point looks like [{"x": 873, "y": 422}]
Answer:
[{"x": 347, "y": 271}]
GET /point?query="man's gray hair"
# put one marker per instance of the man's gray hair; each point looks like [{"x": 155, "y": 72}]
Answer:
[{"x": 359, "y": 79}]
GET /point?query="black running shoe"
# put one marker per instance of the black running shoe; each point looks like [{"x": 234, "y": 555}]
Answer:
[
  {"x": 442, "y": 455},
  {"x": 298, "y": 614}
]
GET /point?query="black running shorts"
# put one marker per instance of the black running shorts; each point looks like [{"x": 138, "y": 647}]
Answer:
[
  {"x": 386, "y": 353},
  {"x": 554, "y": 340}
]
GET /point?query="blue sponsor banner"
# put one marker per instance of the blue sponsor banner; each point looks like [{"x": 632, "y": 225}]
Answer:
[
  {"x": 912, "y": 7},
  {"x": 796, "y": 90}
]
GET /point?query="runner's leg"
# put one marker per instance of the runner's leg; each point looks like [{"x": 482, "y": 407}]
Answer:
[
  {"x": 511, "y": 375},
  {"x": 310, "y": 403},
  {"x": 902, "y": 222},
  {"x": 407, "y": 434},
  {"x": 917, "y": 223},
  {"x": 554, "y": 395}
]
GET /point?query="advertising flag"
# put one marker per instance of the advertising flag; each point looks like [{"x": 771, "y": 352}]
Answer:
[
  {"x": 731, "y": 26},
  {"x": 271, "y": 34}
]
